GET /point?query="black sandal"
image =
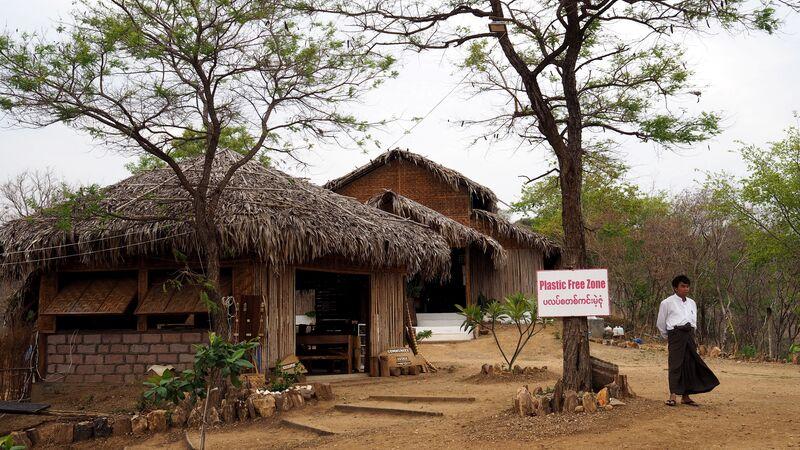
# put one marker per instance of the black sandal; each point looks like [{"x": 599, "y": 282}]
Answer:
[
  {"x": 670, "y": 403},
  {"x": 690, "y": 403}
]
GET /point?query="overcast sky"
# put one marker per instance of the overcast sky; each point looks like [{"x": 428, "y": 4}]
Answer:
[{"x": 751, "y": 79}]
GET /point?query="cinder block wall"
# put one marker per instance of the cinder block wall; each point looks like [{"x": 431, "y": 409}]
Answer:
[{"x": 117, "y": 357}]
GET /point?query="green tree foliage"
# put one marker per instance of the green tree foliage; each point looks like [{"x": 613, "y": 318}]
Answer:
[
  {"x": 766, "y": 200},
  {"x": 618, "y": 219},
  {"x": 192, "y": 145},
  {"x": 570, "y": 75},
  {"x": 517, "y": 310},
  {"x": 219, "y": 360},
  {"x": 172, "y": 79}
]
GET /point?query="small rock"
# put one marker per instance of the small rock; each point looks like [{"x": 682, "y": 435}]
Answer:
[
  {"x": 538, "y": 391},
  {"x": 57, "y": 433},
  {"x": 228, "y": 409},
  {"x": 608, "y": 407},
  {"x": 523, "y": 402},
  {"x": 308, "y": 394},
  {"x": 517, "y": 370},
  {"x": 702, "y": 350},
  {"x": 715, "y": 352},
  {"x": 251, "y": 410},
  {"x": 121, "y": 426},
  {"x": 616, "y": 402},
  {"x": 83, "y": 431},
  {"x": 21, "y": 438},
  {"x": 102, "y": 427},
  {"x": 602, "y": 397},
  {"x": 570, "y": 400},
  {"x": 324, "y": 392},
  {"x": 264, "y": 405},
  {"x": 213, "y": 416},
  {"x": 195, "y": 417},
  {"x": 242, "y": 411},
  {"x": 179, "y": 416},
  {"x": 558, "y": 396},
  {"x": 613, "y": 390},
  {"x": 138, "y": 424},
  {"x": 578, "y": 409},
  {"x": 157, "y": 420},
  {"x": 631, "y": 344},
  {"x": 589, "y": 404},
  {"x": 542, "y": 405},
  {"x": 297, "y": 399}
]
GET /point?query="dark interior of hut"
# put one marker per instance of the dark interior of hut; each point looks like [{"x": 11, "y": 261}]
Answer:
[
  {"x": 437, "y": 297},
  {"x": 332, "y": 313}
]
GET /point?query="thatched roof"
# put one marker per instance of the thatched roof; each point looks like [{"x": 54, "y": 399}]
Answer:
[
  {"x": 455, "y": 179},
  {"x": 504, "y": 228},
  {"x": 456, "y": 234},
  {"x": 263, "y": 213}
]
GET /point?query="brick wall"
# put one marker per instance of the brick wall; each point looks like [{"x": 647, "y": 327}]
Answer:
[
  {"x": 416, "y": 183},
  {"x": 117, "y": 357}
]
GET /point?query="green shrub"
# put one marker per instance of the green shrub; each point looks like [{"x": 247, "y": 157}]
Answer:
[
  {"x": 748, "y": 351},
  {"x": 6, "y": 443}
]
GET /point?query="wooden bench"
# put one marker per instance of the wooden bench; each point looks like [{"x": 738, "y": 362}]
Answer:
[{"x": 326, "y": 340}]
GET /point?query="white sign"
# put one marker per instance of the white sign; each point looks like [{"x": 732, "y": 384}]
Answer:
[{"x": 571, "y": 293}]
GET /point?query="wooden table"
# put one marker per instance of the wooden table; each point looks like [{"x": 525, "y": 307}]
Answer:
[{"x": 318, "y": 340}]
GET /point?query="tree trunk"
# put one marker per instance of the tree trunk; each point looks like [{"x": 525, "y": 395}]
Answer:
[
  {"x": 207, "y": 233},
  {"x": 577, "y": 369}
]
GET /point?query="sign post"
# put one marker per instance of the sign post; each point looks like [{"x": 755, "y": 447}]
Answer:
[{"x": 573, "y": 293}]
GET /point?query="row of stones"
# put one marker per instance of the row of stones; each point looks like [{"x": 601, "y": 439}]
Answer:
[
  {"x": 91, "y": 350},
  {"x": 256, "y": 405}
]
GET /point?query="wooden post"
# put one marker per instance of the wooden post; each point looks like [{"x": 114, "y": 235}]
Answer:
[
  {"x": 141, "y": 292},
  {"x": 48, "y": 288},
  {"x": 468, "y": 277}
]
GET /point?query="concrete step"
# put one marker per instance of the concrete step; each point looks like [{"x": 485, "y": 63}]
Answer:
[{"x": 386, "y": 410}]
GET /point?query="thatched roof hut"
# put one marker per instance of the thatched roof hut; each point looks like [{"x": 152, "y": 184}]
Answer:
[
  {"x": 455, "y": 179},
  {"x": 456, "y": 234},
  {"x": 263, "y": 213},
  {"x": 502, "y": 227}
]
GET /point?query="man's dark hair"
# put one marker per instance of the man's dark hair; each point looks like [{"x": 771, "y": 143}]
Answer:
[{"x": 680, "y": 279}]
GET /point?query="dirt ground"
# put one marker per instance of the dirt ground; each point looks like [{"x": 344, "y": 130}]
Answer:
[{"x": 757, "y": 405}]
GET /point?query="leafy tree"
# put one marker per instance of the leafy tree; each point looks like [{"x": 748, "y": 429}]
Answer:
[
  {"x": 170, "y": 78},
  {"x": 766, "y": 205},
  {"x": 519, "y": 310},
  {"x": 617, "y": 219},
  {"x": 192, "y": 146},
  {"x": 219, "y": 360},
  {"x": 574, "y": 74}
]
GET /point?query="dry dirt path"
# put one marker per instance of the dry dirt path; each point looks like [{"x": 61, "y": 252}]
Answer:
[{"x": 756, "y": 406}]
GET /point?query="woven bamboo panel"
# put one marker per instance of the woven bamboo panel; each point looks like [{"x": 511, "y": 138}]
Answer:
[
  {"x": 170, "y": 300},
  {"x": 101, "y": 295},
  {"x": 518, "y": 275}
]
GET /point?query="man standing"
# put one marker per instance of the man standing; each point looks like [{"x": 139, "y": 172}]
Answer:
[{"x": 677, "y": 320}]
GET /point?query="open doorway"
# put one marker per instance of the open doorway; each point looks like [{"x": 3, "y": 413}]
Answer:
[
  {"x": 437, "y": 297},
  {"x": 332, "y": 316}
]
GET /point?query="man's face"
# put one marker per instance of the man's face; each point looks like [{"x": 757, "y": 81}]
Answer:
[{"x": 682, "y": 290}]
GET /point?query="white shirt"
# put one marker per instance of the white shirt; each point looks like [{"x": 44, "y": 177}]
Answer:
[{"x": 674, "y": 311}]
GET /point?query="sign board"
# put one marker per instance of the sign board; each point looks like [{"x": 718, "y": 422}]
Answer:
[
  {"x": 399, "y": 357},
  {"x": 571, "y": 293}
]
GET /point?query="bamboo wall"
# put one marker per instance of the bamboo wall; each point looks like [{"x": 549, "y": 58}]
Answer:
[
  {"x": 304, "y": 301},
  {"x": 518, "y": 275},
  {"x": 387, "y": 293},
  {"x": 279, "y": 293}
]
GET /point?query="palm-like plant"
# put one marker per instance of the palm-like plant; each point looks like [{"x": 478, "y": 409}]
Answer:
[{"x": 517, "y": 309}]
